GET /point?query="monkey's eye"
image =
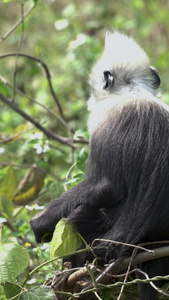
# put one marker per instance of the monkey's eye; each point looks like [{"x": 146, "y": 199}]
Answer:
[{"x": 109, "y": 80}]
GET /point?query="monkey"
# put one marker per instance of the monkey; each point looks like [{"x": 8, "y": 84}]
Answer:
[{"x": 125, "y": 193}]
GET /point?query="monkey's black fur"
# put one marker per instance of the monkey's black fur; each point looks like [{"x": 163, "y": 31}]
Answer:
[{"x": 125, "y": 195}]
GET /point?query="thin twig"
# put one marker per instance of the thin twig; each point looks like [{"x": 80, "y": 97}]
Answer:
[
  {"x": 16, "y": 24},
  {"x": 127, "y": 273},
  {"x": 30, "y": 166},
  {"x": 18, "y": 49},
  {"x": 47, "y": 73},
  {"x": 4, "y": 81},
  {"x": 47, "y": 132},
  {"x": 14, "y": 136},
  {"x": 119, "y": 243},
  {"x": 151, "y": 282},
  {"x": 79, "y": 140},
  {"x": 122, "y": 263}
]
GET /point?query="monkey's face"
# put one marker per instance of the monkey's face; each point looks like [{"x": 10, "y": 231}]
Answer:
[{"x": 123, "y": 68}]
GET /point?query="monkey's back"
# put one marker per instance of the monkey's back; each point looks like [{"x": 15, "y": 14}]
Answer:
[{"x": 130, "y": 149}]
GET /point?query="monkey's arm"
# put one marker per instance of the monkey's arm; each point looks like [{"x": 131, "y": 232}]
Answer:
[{"x": 85, "y": 193}]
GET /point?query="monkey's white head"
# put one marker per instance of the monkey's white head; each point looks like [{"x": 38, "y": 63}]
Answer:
[{"x": 123, "y": 69}]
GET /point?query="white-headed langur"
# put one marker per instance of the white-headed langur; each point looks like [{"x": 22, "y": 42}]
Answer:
[{"x": 125, "y": 194}]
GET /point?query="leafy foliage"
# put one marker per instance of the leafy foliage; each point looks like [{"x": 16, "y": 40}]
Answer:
[
  {"x": 40, "y": 293},
  {"x": 11, "y": 289},
  {"x": 14, "y": 259}
]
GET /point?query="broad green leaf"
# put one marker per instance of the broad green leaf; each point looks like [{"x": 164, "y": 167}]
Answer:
[
  {"x": 13, "y": 259},
  {"x": 11, "y": 289},
  {"x": 65, "y": 240},
  {"x": 83, "y": 155},
  {"x": 39, "y": 293},
  {"x": 7, "y": 207},
  {"x": 8, "y": 185},
  {"x": 7, "y": 182},
  {"x": 2, "y": 293}
]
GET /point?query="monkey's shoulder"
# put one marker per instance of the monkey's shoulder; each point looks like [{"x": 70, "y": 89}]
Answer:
[{"x": 117, "y": 110}]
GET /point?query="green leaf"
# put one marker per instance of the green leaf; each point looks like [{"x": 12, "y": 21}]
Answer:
[
  {"x": 7, "y": 175},
  {"x": 13, "y": 259},
  {"x": 70, "y": 181},
  {"x": 55, "y": 188},
  {"x": 80, "y": 133},
  {"x": 83, "y": 155},
  {"x": 39, "y": 293},
  {"x": 75, "y": 180},
  {"x": 35, "y": 2},
  {"x": 3, "y": 88},
  {"x": 4, "y": 1},
  {"x": 65, "y": 240},
  {"x": 2, "y": 293},
  {"x": 11, "y": 289}
]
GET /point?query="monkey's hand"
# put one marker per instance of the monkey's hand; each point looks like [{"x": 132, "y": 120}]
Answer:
[
  {"x": 43, "y": 224},
  {"x": 85, "y": 193}
]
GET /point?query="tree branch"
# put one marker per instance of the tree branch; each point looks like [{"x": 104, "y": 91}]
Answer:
[
  {"x": 48, "y": 76},
  {"x": 121, "y": 264},
  {"x": 18, "y": 48},
  {"x": 5, "y": 82},
  {"x": 30, "y": 166},
  {"x": 17, "y": 24},
  {"x": 82, "y": 289},
  {"x": 47, "y": 132}
]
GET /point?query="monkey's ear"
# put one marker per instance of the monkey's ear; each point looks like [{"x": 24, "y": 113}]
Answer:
[
  {"x": 109, "y": 80},
  {"x": 155, "y": 76}
]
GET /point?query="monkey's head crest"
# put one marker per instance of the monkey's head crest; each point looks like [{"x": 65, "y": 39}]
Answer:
[{"x": 123, "y": 67}]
